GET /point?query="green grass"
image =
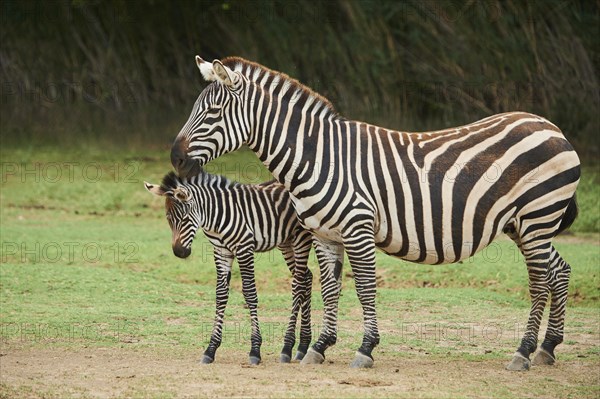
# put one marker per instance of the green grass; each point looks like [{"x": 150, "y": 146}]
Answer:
[
  {"x": 86, "y": 262},
  {"x": 588, "y": 200}
]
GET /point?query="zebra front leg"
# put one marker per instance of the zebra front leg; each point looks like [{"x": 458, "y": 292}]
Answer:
[
  {"x": 289, "y": 339},
  {"x": 360, "y": 249},
  {"x": 536, "y": 256},
  {"x": 559, "y": 275},
  {"x": 330, "y": 256},
  {"x": 223, "y": 261},
  {"x": 246, "y": 262}
]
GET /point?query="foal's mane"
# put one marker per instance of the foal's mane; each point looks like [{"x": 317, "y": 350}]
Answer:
[
  {"x": 201, "y": 178},
  {"x": 256, "y": 72}
]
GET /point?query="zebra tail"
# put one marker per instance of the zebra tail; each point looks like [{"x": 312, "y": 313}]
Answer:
[{"x": 569, "y": 216}]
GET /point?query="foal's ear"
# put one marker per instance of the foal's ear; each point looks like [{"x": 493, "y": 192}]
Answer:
[
  {"x": 181, "y": 194},
  {"x": 224, "y": 75},
  {"x": 154, "y": 189}
]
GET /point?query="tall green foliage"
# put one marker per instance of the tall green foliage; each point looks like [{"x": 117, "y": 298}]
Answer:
[{"x": 127, "y": 67}]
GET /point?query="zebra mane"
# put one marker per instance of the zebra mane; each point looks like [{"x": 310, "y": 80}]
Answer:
[
  {"x": 256, "y": 72},
  {"x": 171, "y": 181}
]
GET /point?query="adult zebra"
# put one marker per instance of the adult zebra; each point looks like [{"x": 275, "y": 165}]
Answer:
[
  {"x": 432, "y": 197},
  {"x": 238, "y": 220}
]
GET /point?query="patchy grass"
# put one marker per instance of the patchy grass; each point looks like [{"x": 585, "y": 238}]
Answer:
[{"x": 86, "y": 267}]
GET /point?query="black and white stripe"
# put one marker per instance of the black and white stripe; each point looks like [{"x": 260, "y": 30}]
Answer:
[
  {"x": 433, "y": 197},
  {"x": 240, "y": 220}
]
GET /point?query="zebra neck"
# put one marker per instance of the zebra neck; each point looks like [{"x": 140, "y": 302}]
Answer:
[
  {"x": 283, "y": 130},
  {"x": 212, "y": 201},
  {"x": 294, "y": 153}
]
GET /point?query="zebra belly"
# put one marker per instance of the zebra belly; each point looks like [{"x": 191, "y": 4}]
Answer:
[
  {"x": 414, "y": 251},
  {"x": 327, "y": 234},
  {"x": 419, "y": 253},
  {"x": 442, "y": 226}
]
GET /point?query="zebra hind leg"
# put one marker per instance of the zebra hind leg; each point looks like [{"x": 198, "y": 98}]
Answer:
[
  {"x": 559, "y": 275},
  {"x": 297, "y": 261},
  {"x": 246, "y": 262},
  {"x": 536, "y": 253},
  {"x": 302, "y": 247},
  {"x": 330, "y": 256},
  {"x": 289, "y": 339},
  {"x": 305, "y": 319}
]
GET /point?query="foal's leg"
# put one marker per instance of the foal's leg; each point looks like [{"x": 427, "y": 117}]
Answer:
[
  {"x": 289, "y": 339},
  {"x": 331, "y": 257},
  {"x": 302, "y": 246},
  {"x": 245, "y": 259},
  {"x": 296, "y": 256},
  {"x": 223, "y": 261}
]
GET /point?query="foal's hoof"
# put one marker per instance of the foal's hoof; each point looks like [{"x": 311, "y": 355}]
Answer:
[
  {"x": 206, "y": 359},
  {"x": 361, "y": 361},
  {"x": 543, "y": 358},
  {"x": 254, "y": 360},
  {"x": 283, "y": 358},
  {"x": 518, "y": 363},
  {"x": 312, "y": 357},
  {"x": 299, "y": 356}
]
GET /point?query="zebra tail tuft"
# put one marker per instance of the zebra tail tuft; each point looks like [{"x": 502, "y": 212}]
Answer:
[{"x": 569, "y": 216}]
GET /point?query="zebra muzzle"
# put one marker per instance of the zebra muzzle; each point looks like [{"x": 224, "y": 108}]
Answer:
[
  {"x": 184, "y": 165},
  {"x": 181, "y": 252}
]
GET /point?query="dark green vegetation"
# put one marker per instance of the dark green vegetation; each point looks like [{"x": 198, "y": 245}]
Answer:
[{"x": 124, "y": 70}]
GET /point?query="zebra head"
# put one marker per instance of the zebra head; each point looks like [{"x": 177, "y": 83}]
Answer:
[
  {"x": 218, "y": 123},
  {"x": 182, "y": 212}
]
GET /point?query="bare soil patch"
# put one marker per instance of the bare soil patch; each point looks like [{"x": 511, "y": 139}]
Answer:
[{"x": 146, "y": 372}]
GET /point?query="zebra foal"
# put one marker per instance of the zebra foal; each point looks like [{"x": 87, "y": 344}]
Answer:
[
  {"x": 426, "y": 197},
  {"x": 240, "y": 220}
]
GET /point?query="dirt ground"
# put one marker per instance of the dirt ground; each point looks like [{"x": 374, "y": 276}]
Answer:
[
  {"x": 132, "y": 371},
  {"x": 143, "y": 372}
]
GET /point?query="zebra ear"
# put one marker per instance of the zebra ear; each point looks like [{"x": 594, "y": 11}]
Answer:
[
  {"x": 224, "y": 75},
  {"x": 181, "y": 194},
  {"x": 154, "y": 189},
  {"x": 206, "y": 69}
]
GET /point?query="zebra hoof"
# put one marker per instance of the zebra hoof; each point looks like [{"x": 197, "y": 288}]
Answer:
[
  {"x": 206, "y": 359},
  {"x": 283, "y": 358},
  {"x": 543, "y": 358},
  {"x": 299, "y": 356},
  {"x": 518, "y": 363},
  {"x": 361, "y": 361},
  {"x": 254, "y": 360},
  {"x": 312, "y": 357}
]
